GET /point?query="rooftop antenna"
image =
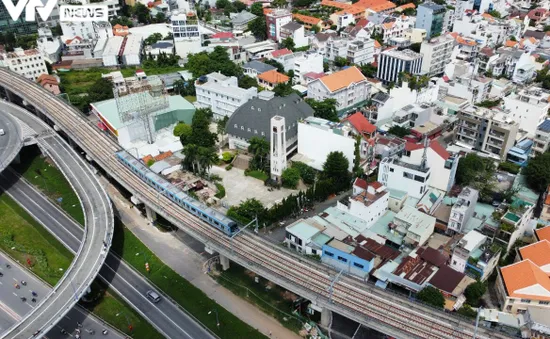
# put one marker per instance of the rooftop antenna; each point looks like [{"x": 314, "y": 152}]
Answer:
[{"x": 424, "y": 161}]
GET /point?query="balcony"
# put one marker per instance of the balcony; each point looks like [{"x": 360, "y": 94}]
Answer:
[{"x": 497, "y": 135}]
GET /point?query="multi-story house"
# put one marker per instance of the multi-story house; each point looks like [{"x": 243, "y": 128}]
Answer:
[
  {"x": 490, "y": 131},
  {"x": 185, "y": 30},
  {"x": 349, "y": 87},
  {"x": 361, "y": 51},
  {"x": 222, "y": 94},
  {"x": 509, "y": 222},
  {"x": 475, "y": 256},
  {"x": 275, "y": 20},
  {"x": 86, "y": 30},
  {"x": 296, "y": 32},
  {"x": 392, "y": 62},
  {"x": 28, "y": 63},
  {"x": 308, "y": 21},
  {"x": 309, "y": 62},
  {"x": 399, "y": 175},
  {"x": 529, "y": 107},
  {"x": 436, "y": 54},
  {"x": 542, "y": 138},
  {"x": 241, "y": 20},
  {"x": 467, "y": 86},
  {"x": 429, "y": 16},
  {"x": 462, "y": 210},
  {"x": 466, "y": 48},
  {"x": 394, "y": 27}
]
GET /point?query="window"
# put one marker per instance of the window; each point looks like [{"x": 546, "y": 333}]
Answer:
[
  {"x": 526, "y": 301},
  {"x": 342, "y": 259},
  {"x": 330, "y": 254},
  {"x": 358, "y": 265},
  {"x": 544, "y": 302},
  {"x": 242, "y": 128},
  {"x": 418, "y": 178},
  {"x": 236, "y": 126}
]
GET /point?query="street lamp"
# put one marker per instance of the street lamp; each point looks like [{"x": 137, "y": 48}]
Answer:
[{"x": 217, "y": 317}]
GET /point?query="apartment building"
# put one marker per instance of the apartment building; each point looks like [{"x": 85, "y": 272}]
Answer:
[
  {"x": 436, "y": 54},
  {"x": 392, "y": 62},
  {"x": 296, "y": 32},
  {"x": 275, "y": 20},
  {"x": 349, "y": 87},
  {"x": 307, "y": 63},
  {"x": 430, "y": 16},
  {"x": 359, "y": 51},
  {"x": 185, "y": 30},
  {"x": 474, "y": 256},
  {"x": 529, "y": 107},
  {"x": 542, "y": 138},
  {"x": 28, "y": 63},
  {"x": 86, "y": 30},
  {"x": 399, "y": 175},
  {"x": 462, "y": 210},
  {"x": 222, "y": 94},
  {"x": 490, "y": 131}
]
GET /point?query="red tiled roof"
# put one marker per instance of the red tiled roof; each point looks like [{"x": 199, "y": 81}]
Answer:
[
  {"x": 543, "y": 233},
  {"x": 538, "y": 253},
  {"x": 280, "y": 52},
  {"x": 411, "y": 146},
  {"x": 360, "y": 123},
  {"x": 313, "y": 75},
  {"x": 376, "y": 185},
  {"x": 360, "y": 183},
  {"x": 223, "y": 35},
  {"x": 440, "y": 150}
]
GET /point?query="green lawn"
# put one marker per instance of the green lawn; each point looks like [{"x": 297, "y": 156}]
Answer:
[
  {"x": 190, "y": 98},
  {"x": 258, "y": 175},
  {"x": 23, "y": 238},
  {"x": 192, "y": 299},
  {"x": 44, "y": 175}
]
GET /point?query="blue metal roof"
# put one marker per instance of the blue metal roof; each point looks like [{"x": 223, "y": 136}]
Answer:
[{"x": 545, "y": 126}]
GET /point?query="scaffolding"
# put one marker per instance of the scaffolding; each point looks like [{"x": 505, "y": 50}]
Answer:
[{"x": 138, "y": 100}]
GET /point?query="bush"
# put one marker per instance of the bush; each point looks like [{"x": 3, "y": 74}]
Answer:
[
  {"x": 221, "y": 191},
  {"x": 509, "y": 167},
  {"x": 228, "y": 157},
  {"x": 228, "y": 167},
  {"x": 290, "y": 177},
  {"x": 307, "y": 173},
  {"x": 150, "y": 162},
  {"x": 215, "y": 177},
  {"x": 474, "y": 292},
  {"x": 467, "y": 311},
  {"x": 431, "y": 295}
]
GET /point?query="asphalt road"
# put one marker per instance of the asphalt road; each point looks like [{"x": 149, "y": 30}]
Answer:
[
  {"x": 11, "y": 142},
  {"x": 12, "y": 308},
  {"x": 166, "y": 316}
]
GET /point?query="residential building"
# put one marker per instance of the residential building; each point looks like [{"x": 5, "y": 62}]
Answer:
[
  {"x": 475, "y": 256},
  {"x": 259, "y": 50},
  {"x": 416, "y": 226},
  {"x": 28, "y": 63},
  {"x": 529, "y": 107},
  {"x": 131, "y": 51},
  {"x": 396, "y": 174},
  {"x": 111, "y": 52},
  {"x": 490, "y": 131},
  {"x": 241, "y": 20},
  {"x": 49, "y": 82},
  {"x": 160, "y": 47},
  {"x": 542, "y": 138},
  {"x": 222, "y": 94},
  {"x": 306, "y": 236},
  {"x": 519, "y": 154},
  {"x": 86, "y": 30},
  {"x": 253, "y": 119},
  {"x": 275, "y": 20},
  {"x": 255, "y": 68},
  {"x": 522, "y": 285},
  {"x": 538, "y": 254},
  {"x": 392, "y": 62},
  {"x": 415, "y": 35},
  {"x": 468, "y": 86},
  {"x": 463, "y": 210},
  {"x": 349, "y": 87},
  {"x": 308, "y": 21},
  {"x": 452, "y": 285},
  {"x": 358, "y": 51},
  {"x": 369, "y": 201},
  {"x": 295, "y": 31},
  {"x": 319, "y": 40},
  {"x": 270, "y": 79},
  {"x": 436, "y": 54},
  {"x": 307, "y": 63},
  {"x": 545, "y": 213},
  {"x": 430, "y": 16},
  {"x": 343, "y": 256},
  {"x": 185, "y": 30}
]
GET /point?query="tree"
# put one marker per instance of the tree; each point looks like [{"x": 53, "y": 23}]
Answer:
[
  {"x": 369, "y": 70},
  {"x": 341, "y": 62},
  {"x": 221, "y": 124},
  {"x": 142, "y": 13},
  {"x": 469, "y": 168},
  {"x": 257, "y": 9},
  {"x": 101, "y": 89},
  {"x": 537, "y": 172},
  {"x": 416, "y": 46},
  {"x": 494, "y": 14},
  {"x": 431, "y": 295},
  {"x": 152, "y": 39},
  {"x": 512, "y": 38},
  {"x": 217, "y": 61},
  {"x": 220, "y": 4},
  {"x": 325, "y": 109},
  {"x": 123, "y": 21},
  {"x": 399, "y": 131},
  {"x": 275, "y": 63},
  {"x": 258, "y": 28},
  {"x": 182, "y": 129},
  {"x": 283, "y": 89},
  {"x": 247, "y": 211},
  {"x": 357, "y": 169},
  {"x": 335, "y": 169},
  {"x": 239, "y": 6},
  {"x": 201, "y": 135},
  {"x": 290, "y": 177},
  {"x": 307, "y": 173},
  {"x": 409, "y": 12},
  {"x": 315, "y": 29},
  {"x": 259, "y": 147},
  {"x": 474, "y": 292},
  {"x": 467, "y": 311},
  {"x": 247, "y": 82},
  {"x": 279, "y": 3},
  {"x": 288, "y": 43},
  {"x": 56, "y": 30}
]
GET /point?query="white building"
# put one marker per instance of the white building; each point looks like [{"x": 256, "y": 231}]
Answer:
[
  {"x": 369, "y": 201},
  {"x": 111, "y": 52},
  {"x": 399, "y": 175},
  {"x": 529, "y": 107},
  {"x": 358, "y": 51},
  {"x": 473, "y": 256},
  {"x": 185, "y": 30},
  {"x": 417, "y": 226},
  {"x": 349, "y": 87},
  {"x": 393, "y": 61},
  {"x": 28, "y": 63},
  {"x": 526, "y": 69},
  {"x": 278, "y": 147},
  {"x": 261, "y": 49},
  {"x": 131, "y": 54},
  {"x": 436, "y": 54},
  {"x": 222, "y": 94},
  {"x": 474, "y": 88},
  {"x": 296, "y": 32},
  {"x": 275, "y": 20},
  {"x": 463, "y": 210},
  {"x": 541, "y": 142},
  {"x": 160, "y": 47},
  {"x": 87, "y": 30},
  {"x": 306, "y": 63}
]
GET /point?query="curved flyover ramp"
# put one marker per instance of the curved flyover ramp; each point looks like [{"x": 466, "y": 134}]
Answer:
[
  {"x": 96, "y": 240},
  {"x": 11, "y": 141}
]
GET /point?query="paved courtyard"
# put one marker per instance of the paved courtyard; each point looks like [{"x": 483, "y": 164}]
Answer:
[{"x": 239, "y": 187}]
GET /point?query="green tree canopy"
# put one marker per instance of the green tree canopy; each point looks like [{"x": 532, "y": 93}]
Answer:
[
  {"x": 275, "y": 63},
  {"x": 325, "y": 109},
  {"x": 335, "y": 169},
  {"x": 431, "y": 295},
  {"x": 182, "y": 130},
  {"x": 369, "y": 70},
  {"x": 474, "y": 292},
  {"x": 357, "y": 169},
  {"x": 283, "y": 89},
  {"x": 399, "y": 131},
  {"x": 217, "y": 61},
  {"x": 290, "y": 177},
  {"x": 259, "y": 147},
  {"x": 247, "y": 82},
  {"x": 142, "y": 13},
  {"x": 537, "y": 172},
  {"x": 153, "y": 38},
  {"x": 257, "y": 9},
  {"x": 247, "y": 211},
  {"x": 258, "y": 28},
  {"x": 101, "y": 89},
  {"x": 341, "y": 62},
  {"x": 288, "y": 43},
  {"x": 239, "y": 6}
]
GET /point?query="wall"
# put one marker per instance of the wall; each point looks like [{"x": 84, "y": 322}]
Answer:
[
  {"x": 319, "y": 92},
  {"x": 370, "y": 214},
  {"x": 403, "y": 96},
  {"x": 529, "y": 116},
  {"x": 346, "y": 261},
  {"x": 396, "y": 179}
]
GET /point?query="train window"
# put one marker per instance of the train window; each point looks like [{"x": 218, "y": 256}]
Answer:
[
  {"x": 216, "y": 223},
  {"x": 192, "y": 209}
]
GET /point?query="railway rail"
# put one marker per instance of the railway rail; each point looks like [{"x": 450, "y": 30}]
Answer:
[{"x": 374, "y": 308}]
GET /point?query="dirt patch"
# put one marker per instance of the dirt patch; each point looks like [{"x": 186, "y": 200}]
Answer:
[{"x": 289, "y": 296}]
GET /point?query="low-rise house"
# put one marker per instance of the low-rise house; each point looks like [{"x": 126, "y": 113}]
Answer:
[
  {"x": 463, "y": 210},
  {"x": 258, "y": 50},
  {"x": 475, "y": 256},
  {"x": 295, "y": 31},
  {"x": 270, "y": 79},
  {"x": 241, "y": 20},
  {"x": 368, "y": 202},
  {"x": 452, "y": 285},
  {"x": 308, "y": 21},
  {"x": 415, "y": 225},
  {"x": 50, "y": 83},
  {"x": 529, "y": 107},
  {"x": 306, "y": 64},
  {"x": 399, "y": 175},
  {"x": 255, "y": 68},
  {"x": 510, "y": 222},
  {"x": 519, "y": 154},
  {"x": 542, "y": 138}
]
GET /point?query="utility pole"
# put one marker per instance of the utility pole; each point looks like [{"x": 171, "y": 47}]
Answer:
[
  {"x": 331, "y": 287},
  {"x": 477, "y": 321},
  {"x": 242, "y": 229}
]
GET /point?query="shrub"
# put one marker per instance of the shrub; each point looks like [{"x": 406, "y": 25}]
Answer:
[
  {"x": 229, "y": 167},
  {"x": 150, "y": 162},
  {"x": 509, "y": 167},
  {"x": 215, "y": 177},
  {"x": 221, "y": 191},
  {"x": 290, "y": 177},
  {"x": 467, "y": 311},
  {"x": 307, "y": 173},
  {"x": 227, "y": 157}
]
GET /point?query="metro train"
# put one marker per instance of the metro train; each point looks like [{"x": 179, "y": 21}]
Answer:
[{"x": 161, "y": 185}]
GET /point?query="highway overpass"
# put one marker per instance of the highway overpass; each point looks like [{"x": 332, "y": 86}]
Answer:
[
  {"x": 12, "y": 140},
  {"x": 375, "y": 308}
]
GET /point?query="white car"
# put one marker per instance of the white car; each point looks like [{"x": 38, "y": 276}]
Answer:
[{"x": 2, "y": 131}]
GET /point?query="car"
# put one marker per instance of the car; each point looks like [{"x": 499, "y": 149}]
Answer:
[
  {"x": 153, "y": 296},
  {"x": 2, "y": 131}
]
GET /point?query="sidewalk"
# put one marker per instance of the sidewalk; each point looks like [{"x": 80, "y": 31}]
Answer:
[{"x": 169, "y": 247}]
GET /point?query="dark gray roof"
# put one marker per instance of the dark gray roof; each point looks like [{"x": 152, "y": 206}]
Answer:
[
  {"x": 253, "y": 117},
  {"x": 535, "y": 34},
  {"x": 380, "y": 97},
  {"x": 324, "y": 36},
  {"x": 544, "y": 126},
  {"x": 242, "y": 18},
  {"x": 259, "y": 66},
  {"x": 292, "y": 26},
  {"x": 163, "y": 44}
]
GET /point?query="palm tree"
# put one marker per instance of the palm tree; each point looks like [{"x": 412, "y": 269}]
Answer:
[
  {"x": 179, "y": 86},
  {"x": 206, "y": 157}
]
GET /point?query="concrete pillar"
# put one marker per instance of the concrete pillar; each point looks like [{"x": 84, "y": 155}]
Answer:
[
  {"x": 151, "y": 215},
  {"x": 326, "y": 315},
  {"x": 9, "y": 95},
  {"x": 224, "y": 261}
]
